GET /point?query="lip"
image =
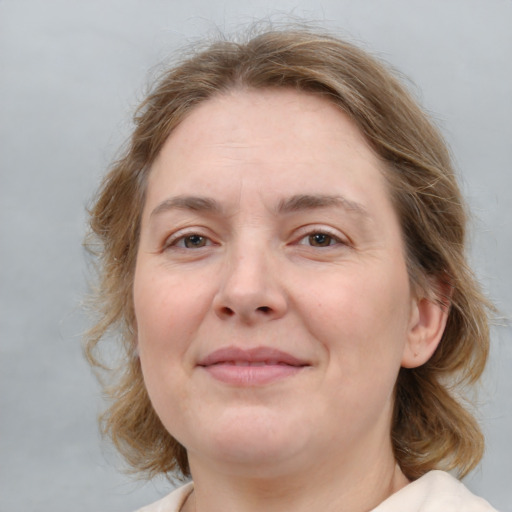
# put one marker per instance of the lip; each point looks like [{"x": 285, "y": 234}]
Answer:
[{"x": 251, "y": 367}]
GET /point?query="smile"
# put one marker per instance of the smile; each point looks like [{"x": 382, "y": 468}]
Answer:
[
  {"x": 251, "y": 363},
  {"x": 253, "y": 367}
]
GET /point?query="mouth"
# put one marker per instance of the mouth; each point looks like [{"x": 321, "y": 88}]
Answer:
[{"x": 251, "y": 367}]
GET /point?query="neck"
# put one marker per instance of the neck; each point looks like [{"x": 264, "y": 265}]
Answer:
[{"x": 323, "y": 488}]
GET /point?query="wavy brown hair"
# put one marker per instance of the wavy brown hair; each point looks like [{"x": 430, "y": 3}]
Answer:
[{"x": 431, "y": 427}]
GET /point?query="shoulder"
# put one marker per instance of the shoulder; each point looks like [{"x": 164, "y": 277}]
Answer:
[
  {"x": 436, "y": 491},
  {"x": 172, "y": 502}
]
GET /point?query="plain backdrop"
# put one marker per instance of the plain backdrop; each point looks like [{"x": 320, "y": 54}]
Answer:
[{"x": 71, "y": 73}]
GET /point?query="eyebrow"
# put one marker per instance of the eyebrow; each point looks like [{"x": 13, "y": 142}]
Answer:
[
  {"x": 194, "y": 203},
  {"x": 317, "y": 201},
  {"x": 299, "y": 202}
]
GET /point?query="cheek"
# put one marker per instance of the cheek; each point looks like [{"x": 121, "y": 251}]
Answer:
[
  {"x": 359, "y": 321},
  {"x": 168, "y": 309},
  {"x": 360, "y": 317},
  {"x": 166, "y": 322}
]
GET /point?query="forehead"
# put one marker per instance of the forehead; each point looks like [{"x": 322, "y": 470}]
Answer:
[
  {"x": 279, "y": 142},
  {"x": 281, "y": 117}
]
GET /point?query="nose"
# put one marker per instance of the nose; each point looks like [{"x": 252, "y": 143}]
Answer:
[{"x": 250, "y": 289}]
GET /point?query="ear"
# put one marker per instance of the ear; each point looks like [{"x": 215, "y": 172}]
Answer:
[{"x": 427, "y": 323}]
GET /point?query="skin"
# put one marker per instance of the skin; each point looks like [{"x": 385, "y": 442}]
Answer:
[{"x": 321, "y": 279}]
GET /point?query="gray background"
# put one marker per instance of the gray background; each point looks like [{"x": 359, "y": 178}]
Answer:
[{"x": 70, "y": 74}]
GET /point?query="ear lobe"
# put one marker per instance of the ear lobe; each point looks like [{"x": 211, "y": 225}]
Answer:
[{"x": 428, "y": 321}]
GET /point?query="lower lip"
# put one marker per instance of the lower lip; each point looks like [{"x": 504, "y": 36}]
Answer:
[{"x": 251, "y": 375}]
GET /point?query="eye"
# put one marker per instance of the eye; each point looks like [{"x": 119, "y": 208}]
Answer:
[
  {"x": 190, "y": 241},
  {"x": 319, "y": 239}
]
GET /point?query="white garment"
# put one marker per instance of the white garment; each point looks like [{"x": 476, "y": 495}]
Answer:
[
  {"x": 436, "y": 491},
  {"x": 172, "y": 502}
]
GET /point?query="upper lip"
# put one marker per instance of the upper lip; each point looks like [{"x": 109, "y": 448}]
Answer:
[{"x": 265, "y": 355}]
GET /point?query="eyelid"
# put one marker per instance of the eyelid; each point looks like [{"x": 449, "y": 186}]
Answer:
[
  {"x": 173, "y": 239},
  {"x": 309, "y": 230}
]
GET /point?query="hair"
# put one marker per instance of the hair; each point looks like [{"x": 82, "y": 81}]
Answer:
[{"x": 431, "y": 427}]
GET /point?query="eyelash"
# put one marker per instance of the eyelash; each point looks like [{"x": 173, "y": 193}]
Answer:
[
  {"x": 333, "y": 239},
  {"x": 179, "y": 241}
]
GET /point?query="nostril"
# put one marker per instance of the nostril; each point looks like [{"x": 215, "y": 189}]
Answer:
[
  {"x": 227, "y": 311},
  {"x": 264, "y": 309}
]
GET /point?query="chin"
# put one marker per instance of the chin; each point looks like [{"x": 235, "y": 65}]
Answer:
[{"x": 260, "y": 443}]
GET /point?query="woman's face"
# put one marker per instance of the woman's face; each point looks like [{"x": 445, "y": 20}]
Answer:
[{"x": 272, "y": 300}]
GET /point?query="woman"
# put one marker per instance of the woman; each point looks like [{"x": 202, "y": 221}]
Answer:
[{"x": 282, "y": 248}]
